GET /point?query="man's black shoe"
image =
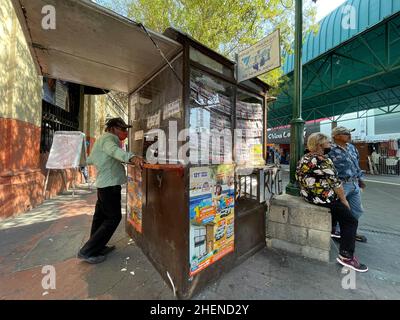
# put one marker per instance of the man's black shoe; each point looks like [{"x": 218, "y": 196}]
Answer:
[
  {"x": 361, "y": 238},
  {"x": 91, "y": 259},
  {"x": 107, "y": 250}
]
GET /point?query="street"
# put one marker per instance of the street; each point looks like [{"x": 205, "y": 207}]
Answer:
[{"x": 52, "y": 234}]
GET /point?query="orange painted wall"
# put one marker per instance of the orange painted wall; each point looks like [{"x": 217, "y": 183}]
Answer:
[
  {"x": 20, "y": 174},
  {"x": 22, "y": 169},
  {"x": 20, "y": 146}
]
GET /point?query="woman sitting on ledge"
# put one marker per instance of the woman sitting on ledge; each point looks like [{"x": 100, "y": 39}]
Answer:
[{"x": 320, "y": 185}]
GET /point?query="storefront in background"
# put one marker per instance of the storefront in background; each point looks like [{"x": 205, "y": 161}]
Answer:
[
  {"x": 377, "y": 139},
  {"x": 278, "y": 141}
]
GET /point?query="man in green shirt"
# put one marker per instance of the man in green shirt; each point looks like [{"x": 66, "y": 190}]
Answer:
[{"x": 107, "y": 156}]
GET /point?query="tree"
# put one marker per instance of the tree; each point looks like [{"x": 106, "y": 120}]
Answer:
[{"x": 226, "y": 26}]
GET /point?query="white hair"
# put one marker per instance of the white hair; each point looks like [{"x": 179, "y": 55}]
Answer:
[{"x": 315, "y": 140}]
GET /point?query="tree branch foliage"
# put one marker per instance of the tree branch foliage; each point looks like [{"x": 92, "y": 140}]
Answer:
[{"x": 226, "y": 26}]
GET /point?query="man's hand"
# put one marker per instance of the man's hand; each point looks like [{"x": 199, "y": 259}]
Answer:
[
  {"x": 346, "y": 203},
  {"x": 361, "y": 184},
  {"x": 137, "y": 161}
]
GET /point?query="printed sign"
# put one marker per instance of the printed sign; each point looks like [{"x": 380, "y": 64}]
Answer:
[
  {"x": 212, "y": 205},
  {"x": 256, "y": 154},
  {"x": 68, "y": 150},
  {"x": 153, "y": 121},
  {"x": 172, "y": 109},
  {"x": 260, "y": 58},
  {"x": 139, "y": 135}
]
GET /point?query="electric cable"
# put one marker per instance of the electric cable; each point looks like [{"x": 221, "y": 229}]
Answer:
[{"x": 161, "y": 53}]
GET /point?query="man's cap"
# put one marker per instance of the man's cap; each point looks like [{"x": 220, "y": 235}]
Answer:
[
  {"x": 117, "y": 122},
  {"x": 341, "y": 130}
]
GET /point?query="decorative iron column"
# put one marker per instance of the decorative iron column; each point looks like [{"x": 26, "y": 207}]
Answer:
[{"x": 297, "y": 123}]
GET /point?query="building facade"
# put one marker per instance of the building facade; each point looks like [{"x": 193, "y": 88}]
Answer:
[{"x": 32, "y": 108}]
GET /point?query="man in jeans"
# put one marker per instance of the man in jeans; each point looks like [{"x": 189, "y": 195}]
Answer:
[
  {"x": 346, "y": 159},
  {"x": 108, "y": 157}
]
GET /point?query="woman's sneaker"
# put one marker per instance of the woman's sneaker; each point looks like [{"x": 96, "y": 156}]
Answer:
[{"x": 352, "y": 263}]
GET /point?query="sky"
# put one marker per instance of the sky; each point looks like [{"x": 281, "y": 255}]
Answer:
[{"x": 324, "y": 7}]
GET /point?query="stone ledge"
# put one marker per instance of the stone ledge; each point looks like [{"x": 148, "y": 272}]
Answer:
[
  {"x": 292, "y": 201},
  {"x": 297, "y": 226},
  {"x": 287, "y": 232},
  {"x": 296, "y": 211},
  {"x": 319, "y": 239}
]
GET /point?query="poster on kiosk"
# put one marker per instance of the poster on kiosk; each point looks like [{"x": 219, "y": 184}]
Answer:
[{"x": 211, "y": 215}]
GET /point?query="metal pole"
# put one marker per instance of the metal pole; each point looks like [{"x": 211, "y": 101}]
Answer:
[{"x": 297, "y": 123}]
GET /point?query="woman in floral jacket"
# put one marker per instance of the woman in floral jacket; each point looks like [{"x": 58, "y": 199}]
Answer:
[{"x": 320, "y": 185}]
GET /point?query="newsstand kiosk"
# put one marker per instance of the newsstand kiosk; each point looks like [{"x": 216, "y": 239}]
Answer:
[{"x": 194, "y": 219}]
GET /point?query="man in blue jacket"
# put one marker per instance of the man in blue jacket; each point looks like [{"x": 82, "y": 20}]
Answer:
[{"x": 346, "y": 159}]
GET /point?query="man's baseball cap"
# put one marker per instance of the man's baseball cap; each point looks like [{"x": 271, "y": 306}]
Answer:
[
  {"x": 341, "y": 130},
  {"x": 117, "y": 122}
]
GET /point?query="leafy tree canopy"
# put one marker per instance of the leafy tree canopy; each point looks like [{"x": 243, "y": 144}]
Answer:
[{"x": 226, "y": 26}]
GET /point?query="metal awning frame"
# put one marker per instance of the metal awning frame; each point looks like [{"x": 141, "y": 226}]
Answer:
[
  {"x": 326, "y": 85},
  {"x": 35, "y": 47}
]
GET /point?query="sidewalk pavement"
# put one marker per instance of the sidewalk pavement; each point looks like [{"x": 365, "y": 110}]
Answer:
[{"x": 52, "y": 234}]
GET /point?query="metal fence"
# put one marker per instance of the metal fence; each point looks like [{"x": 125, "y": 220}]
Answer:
[
  {"x": 385, "y": 165},
  {"x": 54, "y": 119},
  {"x": 261, "y": 184}
]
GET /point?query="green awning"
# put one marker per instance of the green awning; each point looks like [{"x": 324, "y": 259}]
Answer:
[{"x": 360, "y": 73}]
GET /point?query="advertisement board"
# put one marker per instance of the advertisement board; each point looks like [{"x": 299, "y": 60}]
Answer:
[{"x": 212, "y": 205}]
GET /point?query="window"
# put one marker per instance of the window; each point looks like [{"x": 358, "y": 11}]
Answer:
[
  {"x": 249, "y": 125},
  {"x": 208, "y": 62},
  {"x": 211, "y": 105},
  {"x": 55, "y": 118},
  {"x": 387, "y": 123}
]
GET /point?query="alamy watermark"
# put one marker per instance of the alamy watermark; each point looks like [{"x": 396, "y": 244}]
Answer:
[
  {"x": 349, "y": 17},
  {"x": 49, "y": 279},
  {"x": 349, "y": 280},
  {"x": 203, "y": 145},
  {"x": 49, "y": 19}
]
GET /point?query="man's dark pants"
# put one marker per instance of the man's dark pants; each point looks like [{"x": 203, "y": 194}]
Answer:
[
  {"x": 106, "y": 218},
  {"x": 348, "y": 227}
]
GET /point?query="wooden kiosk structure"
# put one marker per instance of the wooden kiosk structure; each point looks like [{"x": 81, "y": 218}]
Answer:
[{"x": 199, "y": 209}]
